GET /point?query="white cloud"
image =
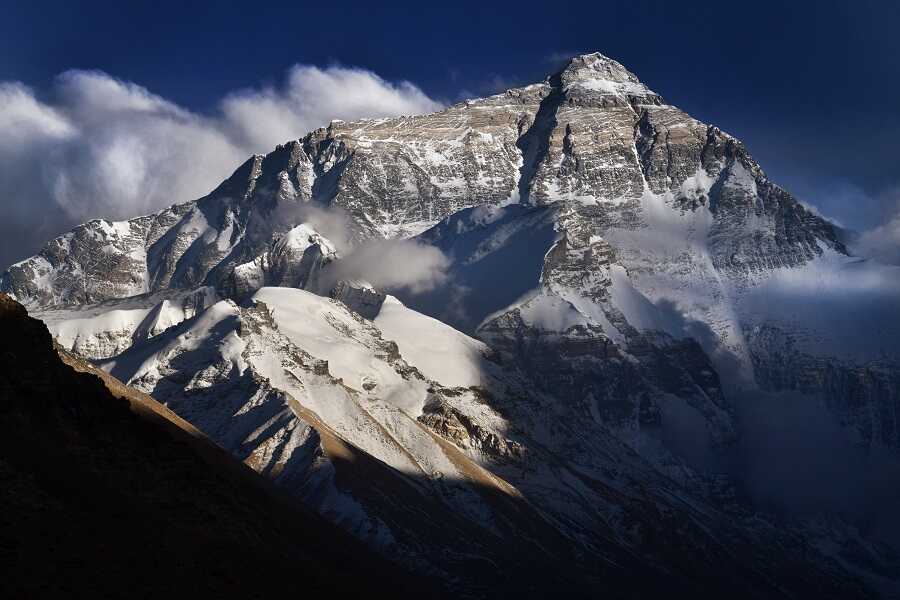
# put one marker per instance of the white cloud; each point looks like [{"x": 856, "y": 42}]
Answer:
[
  {"x": 883, "y": 241},
  {"x": 101, "y": 147},
  {"x": 91, "y": 96},
  {"x": 23, "y": 118},
  {"x": 391, "y": 265},
  {"x": 133, "y": 152}
]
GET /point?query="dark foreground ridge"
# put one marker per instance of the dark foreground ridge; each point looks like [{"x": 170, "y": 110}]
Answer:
[{"x": 105, "y": 493}]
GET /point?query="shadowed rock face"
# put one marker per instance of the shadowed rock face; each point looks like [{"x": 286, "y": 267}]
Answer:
[
  {"x": 361, "y": 300},
  {"x": 103, "y": 494}
]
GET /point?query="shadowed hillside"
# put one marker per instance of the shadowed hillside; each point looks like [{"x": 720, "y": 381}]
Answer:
[{"x": 104, "y": 492}]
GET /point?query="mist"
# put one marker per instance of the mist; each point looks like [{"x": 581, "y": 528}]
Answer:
[
  {"x": 882, "y": 243},
  {"x": 795, "y": 457}
]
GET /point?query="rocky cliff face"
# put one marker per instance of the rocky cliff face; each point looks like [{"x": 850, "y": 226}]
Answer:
[{"x": 605, "y": 251}]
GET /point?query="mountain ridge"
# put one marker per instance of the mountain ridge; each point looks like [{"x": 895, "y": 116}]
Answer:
[{"x": 317, "y": 163}]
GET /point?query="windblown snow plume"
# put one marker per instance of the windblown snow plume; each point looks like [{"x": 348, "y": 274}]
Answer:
[{"x": 311, "y": 98}]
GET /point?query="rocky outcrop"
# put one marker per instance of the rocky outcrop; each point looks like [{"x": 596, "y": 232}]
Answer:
[
  {"x": 464, "y": 431},
  {"x": 295, "y": 259},
  {"x": 360, "y": 298}
]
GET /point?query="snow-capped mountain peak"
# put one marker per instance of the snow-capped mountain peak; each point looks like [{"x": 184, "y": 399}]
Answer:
[
  {"x": 577, "y": 368},
  {"x": 598, "y": 73}
]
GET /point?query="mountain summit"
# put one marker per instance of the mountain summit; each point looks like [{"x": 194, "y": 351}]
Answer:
[
  {"x": 535, "y": 328},
  {"x": 598, "y": 73}
]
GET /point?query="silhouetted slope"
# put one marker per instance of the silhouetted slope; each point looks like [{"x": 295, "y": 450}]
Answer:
[{"x": 105, "y": 493}]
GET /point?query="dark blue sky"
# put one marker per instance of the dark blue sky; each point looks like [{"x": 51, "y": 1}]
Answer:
[{"x": 811, "y": 87}]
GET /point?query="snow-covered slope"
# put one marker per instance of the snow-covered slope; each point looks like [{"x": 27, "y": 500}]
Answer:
[
  {"x": 295, "y": 348},
  {"x": 107, "y": 328},
  {"x": 439, "y": 352},
  {"x": 301, "y": 389},
  {"x": 304, "y": 390}
]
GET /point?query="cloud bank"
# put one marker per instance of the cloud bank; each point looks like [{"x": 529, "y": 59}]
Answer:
[{"x": 96, "y": 146}]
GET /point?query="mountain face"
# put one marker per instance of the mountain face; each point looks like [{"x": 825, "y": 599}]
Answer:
[{"x": 570, "y": 391}]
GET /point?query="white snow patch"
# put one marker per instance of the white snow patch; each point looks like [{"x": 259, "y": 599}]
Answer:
[
  {"x": 440, "y": 352},
  {"x": 606, "y": 86}
]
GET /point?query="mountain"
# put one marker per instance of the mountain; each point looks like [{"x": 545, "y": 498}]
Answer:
[
  {"x": 106, "y": 492},
  {"x": 537, "y": 328}
]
